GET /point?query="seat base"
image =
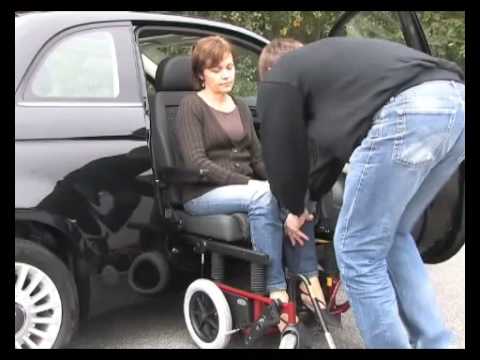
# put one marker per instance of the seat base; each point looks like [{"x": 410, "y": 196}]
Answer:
[{"x": 224, "y": 227}]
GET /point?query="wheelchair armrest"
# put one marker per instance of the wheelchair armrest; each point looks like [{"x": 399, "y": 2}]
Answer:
[{"x": 171, "y": 175}]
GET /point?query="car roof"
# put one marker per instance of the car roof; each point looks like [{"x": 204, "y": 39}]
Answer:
[{"x": 33, "y": 30}]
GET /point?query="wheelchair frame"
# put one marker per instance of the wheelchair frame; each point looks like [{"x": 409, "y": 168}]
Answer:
[{"x": 260, "y": 321}]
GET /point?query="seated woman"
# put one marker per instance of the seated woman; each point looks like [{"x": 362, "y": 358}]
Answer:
[{"x": 215, "y": 132}]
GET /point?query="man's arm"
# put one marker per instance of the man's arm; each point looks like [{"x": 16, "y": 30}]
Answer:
[
  {"x": 284, "y": 142},
  {"x": 323, "y": 174}
]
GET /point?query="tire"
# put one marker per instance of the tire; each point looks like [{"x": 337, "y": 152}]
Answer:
[
  {"x": 46, "y": 300},
  {"x": 145, "y": 266},
  {"x": 214, "y": 302}
]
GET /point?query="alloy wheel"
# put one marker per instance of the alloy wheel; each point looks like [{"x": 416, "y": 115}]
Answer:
[{"x": 38, "y": 308}]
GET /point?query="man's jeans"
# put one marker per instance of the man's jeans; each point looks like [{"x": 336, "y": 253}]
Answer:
[
  {"x": 416, "y": 143},
  {"x": 266, "y": 228}
]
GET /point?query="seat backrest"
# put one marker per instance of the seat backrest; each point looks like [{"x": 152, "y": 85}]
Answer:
[{"x": 173, "y": 80}]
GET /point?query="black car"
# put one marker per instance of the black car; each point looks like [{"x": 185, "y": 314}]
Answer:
[{"x": 90, "y": 169}]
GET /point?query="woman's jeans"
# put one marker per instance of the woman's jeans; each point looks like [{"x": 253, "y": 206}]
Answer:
[
  {"x": 266, "y": 228},
  {"x": 416, "y": 143}
]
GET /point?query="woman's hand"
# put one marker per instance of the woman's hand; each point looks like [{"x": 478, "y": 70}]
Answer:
[{"x": 293, "y": 224}]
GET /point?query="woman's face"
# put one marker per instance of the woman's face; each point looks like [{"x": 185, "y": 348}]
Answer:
[{"x": 220, "y": 78}]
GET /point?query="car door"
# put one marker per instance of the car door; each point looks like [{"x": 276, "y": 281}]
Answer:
[
  {"x": 80, "y": 134},
  {"x": 440, "y": 232}
]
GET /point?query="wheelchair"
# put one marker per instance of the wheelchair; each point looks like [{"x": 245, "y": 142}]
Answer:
[{"x": 230, "y": 295}]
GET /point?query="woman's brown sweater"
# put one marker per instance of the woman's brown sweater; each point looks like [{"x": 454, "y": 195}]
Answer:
[{"x": 204, "y": 144}]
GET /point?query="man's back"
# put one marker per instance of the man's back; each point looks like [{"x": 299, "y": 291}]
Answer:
[
  {"x": 332, "y": 88},
  {"x": 344, "y": 81}
]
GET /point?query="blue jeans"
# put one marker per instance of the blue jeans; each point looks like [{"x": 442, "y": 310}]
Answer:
[
  {"x": 416, "y": 143},
  {"x": 266, "y": 228}
]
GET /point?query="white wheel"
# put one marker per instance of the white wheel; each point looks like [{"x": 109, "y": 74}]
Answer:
[
  {"x": 207, "y": 315},
  {"x": 46, "y": 302},
  {"x": 34, "y": 309}
]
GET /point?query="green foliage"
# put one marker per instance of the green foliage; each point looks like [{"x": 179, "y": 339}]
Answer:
[
  {"x": 246, "y": 73},
  {"x": 305, "y": 26},
  {"x": 376, "y": 24},
  {"x": 444, "y": 30}
]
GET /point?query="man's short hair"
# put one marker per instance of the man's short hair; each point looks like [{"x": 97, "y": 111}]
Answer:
[{"x": 273, "y": 52}]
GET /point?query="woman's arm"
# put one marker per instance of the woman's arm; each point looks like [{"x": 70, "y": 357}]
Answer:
[{"x": 256, "y": 159}]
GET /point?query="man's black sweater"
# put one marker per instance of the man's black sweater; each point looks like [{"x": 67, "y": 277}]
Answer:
[{"x": 317, "y": 104}]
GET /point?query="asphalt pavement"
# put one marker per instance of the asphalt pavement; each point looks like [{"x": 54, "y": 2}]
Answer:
[{"x": 158, "y": 323}]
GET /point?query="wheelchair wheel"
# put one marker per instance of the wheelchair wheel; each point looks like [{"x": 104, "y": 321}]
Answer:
[{"x": 207, "y": 315}]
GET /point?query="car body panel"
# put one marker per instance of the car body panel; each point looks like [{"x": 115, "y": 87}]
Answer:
[
  {"x": 83, "y": 159},
  {"x": 78, "y": 121}
]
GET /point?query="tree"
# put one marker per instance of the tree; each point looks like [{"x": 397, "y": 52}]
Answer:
[{"x": 445, "y": 30}]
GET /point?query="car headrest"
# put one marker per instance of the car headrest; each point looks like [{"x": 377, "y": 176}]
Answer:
[{"x": 175, "y": 74}]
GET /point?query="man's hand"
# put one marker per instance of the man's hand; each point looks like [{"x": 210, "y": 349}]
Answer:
[{"x": 293, "y": 224}]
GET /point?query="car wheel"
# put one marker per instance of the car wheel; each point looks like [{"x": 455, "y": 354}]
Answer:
[
  {"x": 46, "y": 301},
  {"x": 207, "y": 315}
]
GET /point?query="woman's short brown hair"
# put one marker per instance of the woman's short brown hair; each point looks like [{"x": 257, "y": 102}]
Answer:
[
  {"x": 208, "y": 52},
  {"x": 273, "y": 52}
]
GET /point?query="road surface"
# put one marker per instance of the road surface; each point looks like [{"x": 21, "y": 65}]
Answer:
[{"x": 158, "y": 323}]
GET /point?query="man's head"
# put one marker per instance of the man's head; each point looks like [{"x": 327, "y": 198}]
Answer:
[{"x": 273, "y": 52}]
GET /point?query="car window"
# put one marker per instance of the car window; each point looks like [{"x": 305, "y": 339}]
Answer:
[
  {"x": 155, "y": 48},
  {"x": 83, "y": 65},
  {"x": 375, "y": 24},
  {"x": 445, "y": 33}
]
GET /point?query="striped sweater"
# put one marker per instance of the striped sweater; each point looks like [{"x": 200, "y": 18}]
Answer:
[{"x": 204, "y": 145}]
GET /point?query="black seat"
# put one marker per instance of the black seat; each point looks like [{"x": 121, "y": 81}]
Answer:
[{"x": 173, "y": 81}]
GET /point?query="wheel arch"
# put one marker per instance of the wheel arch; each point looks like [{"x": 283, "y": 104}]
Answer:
[
  {"x": 59, "y": 234},
  {"x": 61, "y": 237}
]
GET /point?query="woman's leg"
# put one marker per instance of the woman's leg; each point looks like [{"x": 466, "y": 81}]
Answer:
[
  {"x": 303, "y": 260},
  {"x": 266, "y": 231}
]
